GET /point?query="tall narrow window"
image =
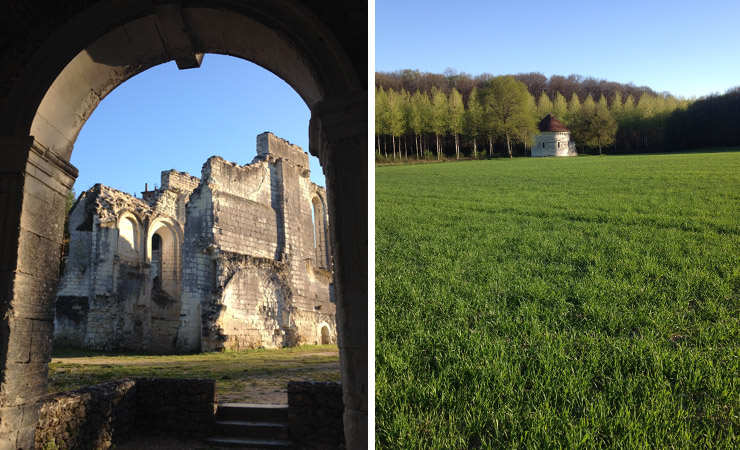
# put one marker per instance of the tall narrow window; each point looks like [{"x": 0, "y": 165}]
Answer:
[{"x": 128, "y": 237}]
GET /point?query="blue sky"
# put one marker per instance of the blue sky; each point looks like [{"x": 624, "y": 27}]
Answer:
[
  {"x": 689, "y": 49},
  {"x": 165, "y": 118}
]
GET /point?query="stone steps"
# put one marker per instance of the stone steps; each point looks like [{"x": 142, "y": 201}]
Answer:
[{"x": 250, "y": 425}]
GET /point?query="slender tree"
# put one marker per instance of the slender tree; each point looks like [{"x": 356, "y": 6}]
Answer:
[
  {"x": 439, "y": 114},
  {"x": 456, "y": 118},
  {"x": 595, "y": 125},
  {"x": 381, "y": 113},
  {"x": 416, "y": 119},
  {"x": 395, "y": 117},
  {"x": 544, "y": 106},
  {"x": 574, "y": 105},
  {"x": 559, "y": 107},
  {"x": 473, "y": 118}
]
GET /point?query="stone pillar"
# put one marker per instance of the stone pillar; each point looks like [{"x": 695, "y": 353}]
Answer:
[
  {"x": 34, "y": 183},
  {"x": 338, "y": 136}
]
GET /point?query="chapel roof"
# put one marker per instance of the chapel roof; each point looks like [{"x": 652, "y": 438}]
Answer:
[{"x": 550, "y": 123}]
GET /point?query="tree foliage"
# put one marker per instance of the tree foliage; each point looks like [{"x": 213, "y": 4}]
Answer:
[
  {"x": 452, "y": 112},
  {"x": 505, "y": 103}
]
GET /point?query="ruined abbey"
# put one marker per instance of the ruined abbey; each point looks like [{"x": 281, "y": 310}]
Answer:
[{"x": 236, "y": 259}]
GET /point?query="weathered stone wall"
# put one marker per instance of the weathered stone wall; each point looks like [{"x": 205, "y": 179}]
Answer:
[
  {"x": 268, "y": 288},
  {"x": 315, "y": 415},
  {"x": 95, "y": 417},
  {"x": 108, "y": 297},
  {"x": 89, "y": 418}
]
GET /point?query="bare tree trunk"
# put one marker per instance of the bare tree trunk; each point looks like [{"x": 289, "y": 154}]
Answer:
[
  {"x": 490, "y": 146},
  {"x": 393, "y": 140},
  {"x": 405, "y": 148},
  {"x": 457, "y": 146},
  {"x": 475, "y": 149},
  {"x": 508, "y": 145},
  {"x": 378, "y": 144},
  {"x": 438, "y": 155}
]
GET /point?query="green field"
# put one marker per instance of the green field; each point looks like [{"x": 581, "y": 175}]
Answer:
[{"x": 589, "y": 302}]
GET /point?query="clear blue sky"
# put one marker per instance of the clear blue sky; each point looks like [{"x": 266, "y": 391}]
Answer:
[
  {"x": 165, "y": 118},
  {"x": 687, "y": 48}
]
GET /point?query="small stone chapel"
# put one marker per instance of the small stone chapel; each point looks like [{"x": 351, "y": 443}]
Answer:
[{"x": 553, "y": 139}]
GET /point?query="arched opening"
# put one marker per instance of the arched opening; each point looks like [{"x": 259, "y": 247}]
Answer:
[
  {"x": 129, "y": 232},
  {"x": 164, "y": 259},
  {"x": 88, "y": 55},
  {"x": 156, "y": 261},
  {"x": 325, "y": 336}
]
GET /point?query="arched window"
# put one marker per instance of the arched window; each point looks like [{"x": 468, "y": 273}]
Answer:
[
  {"x": 325, "y": 336},
  {"x": 156, "y": 270},
  {"x": 128, "y": 238},
  {"x": 164, "y": 256}
]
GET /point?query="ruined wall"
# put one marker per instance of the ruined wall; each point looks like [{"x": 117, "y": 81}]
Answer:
[
  {"x": 109, "y": 297},
  {"x": 237, "y": 259},
  {"x": 264, "y": 287}
]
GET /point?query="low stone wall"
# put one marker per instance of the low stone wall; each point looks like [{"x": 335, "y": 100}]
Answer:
[
  {"x": 89, "y": 418},
  {"x": 181, "y": 406},
  {"x": 94, "y": 417},
  {"x": 315, "y": 415}
]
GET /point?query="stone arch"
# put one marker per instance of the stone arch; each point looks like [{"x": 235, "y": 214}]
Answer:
[
  {"x": 75, "y": 60},
  {"x": 90, "y": 64},
  {"x": 324, "y": 335},
  {"x": 129, "y": 228},
  {"x": 168, "y": 266}
]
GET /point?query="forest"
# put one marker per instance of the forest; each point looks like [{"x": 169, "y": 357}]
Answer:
[{"x": 434, "y": 116}]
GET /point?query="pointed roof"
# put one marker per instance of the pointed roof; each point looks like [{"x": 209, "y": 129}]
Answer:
[{"x": 550, "y": 123}]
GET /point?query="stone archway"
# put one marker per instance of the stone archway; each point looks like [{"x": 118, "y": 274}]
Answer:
[{"x": 66, "y": 66}]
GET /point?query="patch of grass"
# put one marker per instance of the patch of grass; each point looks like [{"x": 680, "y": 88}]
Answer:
[
  {"x": 72, "y": 369},
  {"x": 559, "y": 303}
]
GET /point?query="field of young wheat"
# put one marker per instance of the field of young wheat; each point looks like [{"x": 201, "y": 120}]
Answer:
[{"x": 559, "y": 303}]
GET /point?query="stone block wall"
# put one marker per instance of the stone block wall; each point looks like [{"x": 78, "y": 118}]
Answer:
[
  {"x": 94, "y": 417},
  {"x": 89, "y": 418},
  {"x": 268, "y": 143},
  {"x": 315, "y": 415},
  {"x": 246, "y": 220},
  {"x": 185, "y": 407},
  {"x": 183, "y": 181}
]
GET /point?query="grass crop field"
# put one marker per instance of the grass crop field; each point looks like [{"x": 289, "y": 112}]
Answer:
[
  {"x": 589, "y": 302},
  {"x": 256, "y": 376}
]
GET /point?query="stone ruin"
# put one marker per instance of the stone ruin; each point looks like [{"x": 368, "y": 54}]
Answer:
[{"x": 236, "y": 259}]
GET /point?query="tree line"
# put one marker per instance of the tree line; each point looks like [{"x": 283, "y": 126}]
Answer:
[
  {"x": 502, "y": 113},
  {"x": 537, "y": 83}
]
